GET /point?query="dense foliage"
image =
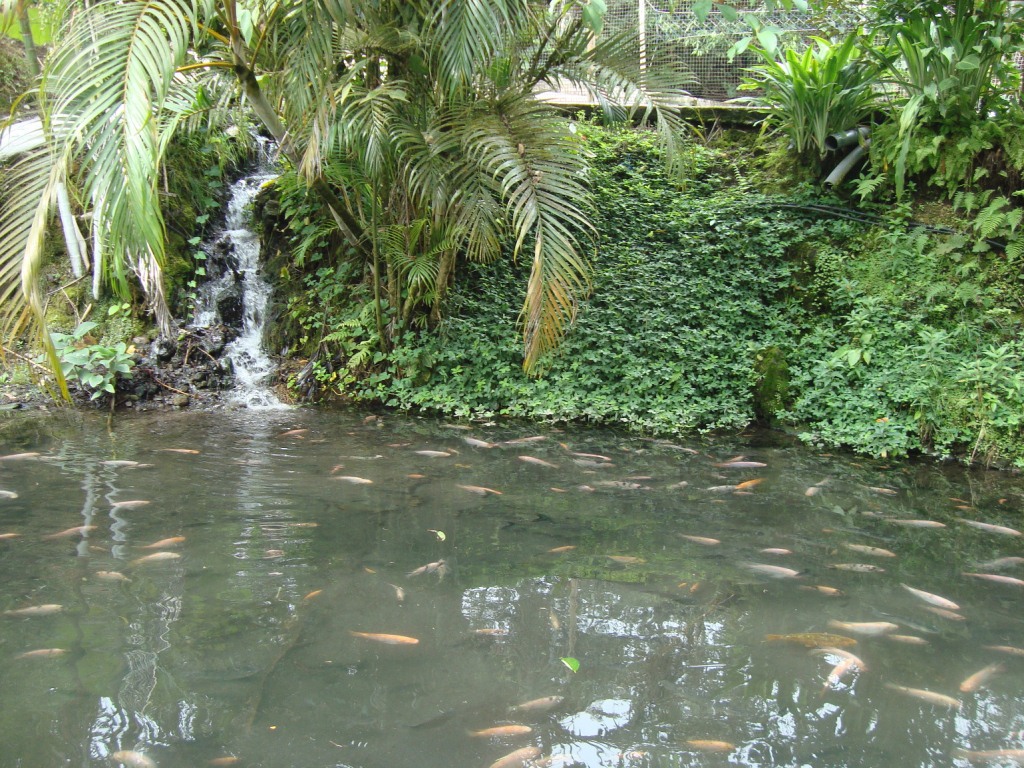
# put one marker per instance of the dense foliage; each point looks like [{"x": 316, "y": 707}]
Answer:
[{"x": 715, "y": 305}]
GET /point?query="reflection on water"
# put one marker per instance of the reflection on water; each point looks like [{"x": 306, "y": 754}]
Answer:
[{"x": 262, "y": 608}]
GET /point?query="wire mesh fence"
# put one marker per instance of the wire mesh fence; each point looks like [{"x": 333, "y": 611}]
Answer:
[{"x": 673, "y": 38}]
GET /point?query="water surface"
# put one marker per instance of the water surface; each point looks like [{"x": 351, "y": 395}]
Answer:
[{"x": 243, "y": 646}]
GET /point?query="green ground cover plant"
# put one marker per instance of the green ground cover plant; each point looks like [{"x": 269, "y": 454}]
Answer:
[{"x": 716, "y": 305}]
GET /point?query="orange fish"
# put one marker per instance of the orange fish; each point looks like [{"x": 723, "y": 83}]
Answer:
[
  {"x": 76, "y": 531},
  {"x": 1002, "y": 529},
  {"x": 312, "y": 594},
  {"x": 518, "y": 759},
  {"x": 707, "y": 541},
  {"x": 1009, "y": 649},
  {"x": 866, "y": 550},
  {"x": 536, "y": 461},
  {"x": 907, "y": 639},
  {"x": 42, "y": 653},
  {"x": 399, "y": 592},
  {"x": 866, "y": 628},
  {"x": 189, "y": 451},
  {"x": 936, "y": 699},
  {"x": 774, "y": 571},
  {"x": 595, "y": 456},
  {"x": 521, "y": 440},
  {"x": 385, "y": 638},
  {"x": 479, "y": 490},
  {"x": 440, "y": 568},
  {"x": 945, "y": 613},
  {"x": 502, "y": 730},
  {"x": 857, "y": 567},
  {"x": 165, "y": 543},
  {"x": 35, "y": 610},
  {"x": 813, "y": 639},
  {"x": 883, "y": 491},
  {"x": 848, "y": 663},
  {"x": 822, "y": 589},
  {"x": 354, "y": 480},
  {"x": 226, "y": 760},
  {"x": 1008, "y": 580},
  {"x": 979, "y": 678},
  {"x": 932, "y": 599},
  {"x": 538, "y": 705},
  {"x": 746, "y": 484},
  {"x": 6, "y": 536},
  {"x": 559, "y": 550},
  {"x": 132, "y": 759},
  {"x": 156, "y": 557},
  {"x": 294, "y": 433},
  {"x": 711, "y": 745}
]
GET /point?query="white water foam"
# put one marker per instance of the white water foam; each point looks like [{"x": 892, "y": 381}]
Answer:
[{"x": 252, "y": 367}]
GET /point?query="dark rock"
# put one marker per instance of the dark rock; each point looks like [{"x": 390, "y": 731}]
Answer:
[
  {"x": 215, "y": 341},
  {"x": 163, "y": 349},
  {"x": 230, "y": 307}
]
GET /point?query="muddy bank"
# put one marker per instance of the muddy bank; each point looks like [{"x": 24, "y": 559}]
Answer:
[{"x": 189, "y": 371}]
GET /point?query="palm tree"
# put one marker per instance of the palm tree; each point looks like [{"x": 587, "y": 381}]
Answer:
[{"x": 417, "y": 124}]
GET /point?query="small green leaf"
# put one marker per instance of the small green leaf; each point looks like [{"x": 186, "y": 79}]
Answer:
[
  {"x": 593, "y": 15},
  {"x": 702, "y": 8},
  {"x": 571, "y": 663},
  {"x": 768, "y": 39},
  {"x": 969, "y": 62}
]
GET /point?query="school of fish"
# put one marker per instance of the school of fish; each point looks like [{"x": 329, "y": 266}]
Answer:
[{"x": 836, "y": 673}]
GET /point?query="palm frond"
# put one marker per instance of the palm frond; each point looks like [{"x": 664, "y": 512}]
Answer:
[
  {"x": 525, "y": 149},
  {"x": 107, "y": 81},
  {"x": 468, "y": 32},
  {"x": 24, "y": 216}
]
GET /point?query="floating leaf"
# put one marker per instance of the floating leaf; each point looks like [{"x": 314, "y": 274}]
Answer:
[{"x": 571, "y": 663}]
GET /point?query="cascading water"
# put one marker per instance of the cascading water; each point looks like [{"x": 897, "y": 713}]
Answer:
[{"x": 239, "y": 296}]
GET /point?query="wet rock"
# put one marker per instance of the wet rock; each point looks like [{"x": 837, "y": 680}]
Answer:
[
  {"x": 230, "y": 306},
  {"x": 163, "y": 349},
  {"x": 215, "y": 341},
  {"x": 180, "y": 401}
]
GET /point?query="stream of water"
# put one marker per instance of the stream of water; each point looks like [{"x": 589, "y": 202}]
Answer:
[
  {"x": 241, "y": 279},
  {"x": 306, "y": 588}
]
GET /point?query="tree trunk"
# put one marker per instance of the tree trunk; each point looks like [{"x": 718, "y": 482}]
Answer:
[
  {"x": 21, "y": 11},
  {"x": 346, "y": 222}
]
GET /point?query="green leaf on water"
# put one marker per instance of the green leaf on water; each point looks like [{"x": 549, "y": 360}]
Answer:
[
  {"x": 571, "y": 663},
  {"x": 440, "y": 535}
]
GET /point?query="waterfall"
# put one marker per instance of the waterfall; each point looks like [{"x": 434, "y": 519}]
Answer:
[{"x": 238, "y": 297}]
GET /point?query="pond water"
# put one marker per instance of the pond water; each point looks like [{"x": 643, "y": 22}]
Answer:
[{"x": 260, "y": 609}]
